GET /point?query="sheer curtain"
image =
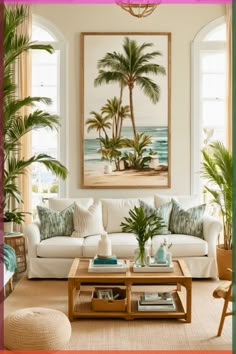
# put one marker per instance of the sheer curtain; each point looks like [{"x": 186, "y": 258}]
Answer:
[
  {"x": 23, "y": 77},
  {"x": 229, "y": 74}
]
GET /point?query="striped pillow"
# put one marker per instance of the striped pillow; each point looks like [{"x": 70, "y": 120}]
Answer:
[
  {"x": 87, "y": 221},
  {"x": 55, "y": 223},
  {"x": 187, "y": 222}
]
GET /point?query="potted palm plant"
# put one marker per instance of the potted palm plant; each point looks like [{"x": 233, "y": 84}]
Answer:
[
  {"x": 11, "y": 217},
  {"x": 144, "y": 225},
  {"x": 217, "y": 170},
  {"x": 15, "y": 124}
]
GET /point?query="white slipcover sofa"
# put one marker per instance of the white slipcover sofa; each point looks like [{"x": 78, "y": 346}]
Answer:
[{"x": 52, "y": 257}]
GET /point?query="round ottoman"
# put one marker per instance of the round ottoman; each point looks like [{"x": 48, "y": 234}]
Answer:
[{"x": 36, "y": 328}]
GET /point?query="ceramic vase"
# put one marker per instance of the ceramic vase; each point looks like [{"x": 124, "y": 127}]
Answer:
[
  {"x": 107, "y": 169},
  {"x": 8, "y": 226},
  {"x": 104, "y": 246},
  {"x": 160, "y": 256}
]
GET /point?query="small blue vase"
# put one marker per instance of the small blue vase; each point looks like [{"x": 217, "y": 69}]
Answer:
[{"x": 160, "y": 256}]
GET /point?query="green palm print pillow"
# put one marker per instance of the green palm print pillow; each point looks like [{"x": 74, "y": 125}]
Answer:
[
  {"x": 164, "y": 211},
  {"x": 55, "y": 223},
  {"x": 187, "y": 222}
]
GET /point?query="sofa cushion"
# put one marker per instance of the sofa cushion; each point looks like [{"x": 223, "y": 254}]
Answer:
[
  {"x": 60, "y": 247},
  {"x": 164, "y": 211},
  {"x": 115, "y": 210},
  {"x": 182, "y": 245},
  {"x": 123, "y": 245},
  {"x": 55, "y": 223},
  {"x": 87, "y": 221},
  {"x": 188, "y": 222},
  {"x": 62, "y": 203}
]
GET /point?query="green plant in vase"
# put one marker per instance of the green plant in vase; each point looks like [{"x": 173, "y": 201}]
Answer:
[{"x": 145, "y": 226}]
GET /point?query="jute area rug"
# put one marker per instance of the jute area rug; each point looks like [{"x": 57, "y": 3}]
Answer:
[{"x": 119, "y": 334}]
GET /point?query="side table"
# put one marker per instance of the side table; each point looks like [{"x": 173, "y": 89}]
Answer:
[{"x": 17, "y": 241}]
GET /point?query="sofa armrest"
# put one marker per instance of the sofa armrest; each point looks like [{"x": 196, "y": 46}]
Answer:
[
  {"x": 32, "y": 233},
  {"x": 211, "y": 230}
]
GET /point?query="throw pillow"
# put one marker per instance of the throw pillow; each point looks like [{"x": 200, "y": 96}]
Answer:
[
  {"x": 87, "y": 221},
  {"x": 187, "y": 222},
  {"x": 163, "y": 211},
  {"x": 54, "y": 223}
]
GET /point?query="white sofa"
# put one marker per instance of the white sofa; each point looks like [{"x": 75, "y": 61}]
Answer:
[{"x": 52, "y": 257}]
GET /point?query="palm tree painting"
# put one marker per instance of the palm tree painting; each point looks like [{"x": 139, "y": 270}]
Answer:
[{"x": 125, "y": 110}]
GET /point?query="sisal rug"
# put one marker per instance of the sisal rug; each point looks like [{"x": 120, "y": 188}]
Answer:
[{"x": 119, "y": 334}]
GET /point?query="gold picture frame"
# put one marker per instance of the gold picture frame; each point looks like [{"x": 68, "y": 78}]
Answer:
[{"x": 125, "y": 109}]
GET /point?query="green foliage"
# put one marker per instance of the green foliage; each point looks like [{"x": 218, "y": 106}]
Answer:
[
  {"x": 54, "y": 188},
  {"x": 35, "y": 188},
  {"x": 217, "y": 168},
  {"x": 110, "y": 149},
  {"x": 142, "y": 224},
  {"x": 99, "y": 123},
  {"x": 117, "y": 113},
  {"x": 15, "y": 216},
  {"x": 131, "y": 68},
  {"x": 16, "y": 125},
  {"x": 45, "y": 190},
  {"x": 136, "y": 159}
]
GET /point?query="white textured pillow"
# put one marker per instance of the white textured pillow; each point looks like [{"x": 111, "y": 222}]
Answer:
[
  {"x": 163, "y": 199},
  {"x": 186, "y": 201},
  {"x": 59, "y": 204},
  {"x": 114, "y": 211},
  {"x": 87, "y": 221}
]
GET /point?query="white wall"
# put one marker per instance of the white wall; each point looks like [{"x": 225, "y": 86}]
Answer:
[{"x": 183, "y": 21}]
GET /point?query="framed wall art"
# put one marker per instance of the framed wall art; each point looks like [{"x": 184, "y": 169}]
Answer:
[{"x": 125, "y": 110}]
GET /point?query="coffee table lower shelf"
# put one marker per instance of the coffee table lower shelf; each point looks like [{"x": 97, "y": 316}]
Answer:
[{"x": 83, "y": 309}]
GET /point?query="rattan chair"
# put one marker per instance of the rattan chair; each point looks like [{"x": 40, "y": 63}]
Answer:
[{"x": 224, "y": 291}]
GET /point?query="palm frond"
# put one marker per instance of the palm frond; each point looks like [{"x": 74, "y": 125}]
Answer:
[
  {"x": 217, "y": 169},
  {"x": 150, "y": 88}
]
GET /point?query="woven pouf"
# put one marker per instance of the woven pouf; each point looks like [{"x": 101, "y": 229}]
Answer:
[{"x": 36, "y": 328}]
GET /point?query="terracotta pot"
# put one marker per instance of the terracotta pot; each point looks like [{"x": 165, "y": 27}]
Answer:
[{"x": 224, "y": 261}]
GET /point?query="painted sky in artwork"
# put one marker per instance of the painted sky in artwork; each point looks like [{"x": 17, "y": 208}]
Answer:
[{"x": 146, "y": 113}]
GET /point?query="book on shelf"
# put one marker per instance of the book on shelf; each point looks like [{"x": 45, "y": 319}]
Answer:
[
  {"x": 110, "y": 260},
  {"x": 156, "y": 298},
  {"x": 156, "y": 307}
]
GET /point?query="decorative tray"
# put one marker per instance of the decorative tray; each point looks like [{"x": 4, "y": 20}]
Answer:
[
  {"x": 120, "y": 267},
  {"x": 158, "y": 268}
]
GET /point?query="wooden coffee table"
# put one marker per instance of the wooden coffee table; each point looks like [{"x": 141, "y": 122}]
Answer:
[{"x": 81, "y": 283}]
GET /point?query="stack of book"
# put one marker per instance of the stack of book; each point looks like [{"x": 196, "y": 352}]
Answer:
[
  {"x": 107, "y": 265},
  {"x": 157, "y": 301},
  {"x": 105, "y": 260}
]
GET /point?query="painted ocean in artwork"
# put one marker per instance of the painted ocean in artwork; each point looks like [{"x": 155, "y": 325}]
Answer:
[{"x": 159, "y": 137}]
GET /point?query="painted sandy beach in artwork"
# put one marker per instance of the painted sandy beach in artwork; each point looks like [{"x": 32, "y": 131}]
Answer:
[
  {"x": 94, "y": 175},
  {"x": 132, "y": 178},
  {"x": 126, "y": 123}
]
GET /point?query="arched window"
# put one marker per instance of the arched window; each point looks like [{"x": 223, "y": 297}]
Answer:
[
  {"x": 208, "y": 88},
  {"x": 48, "y": 74}
]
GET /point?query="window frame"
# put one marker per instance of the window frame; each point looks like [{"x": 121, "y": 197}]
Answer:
[
  {"x": 59, "y": 44},
  {"x": 197, "y": 47}
]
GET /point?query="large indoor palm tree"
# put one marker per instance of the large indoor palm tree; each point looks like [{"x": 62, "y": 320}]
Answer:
[
  {"x": 16, "y": 125},
  {"x": 217, "y": 171},
  {"x": 132, "y": 67}
]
